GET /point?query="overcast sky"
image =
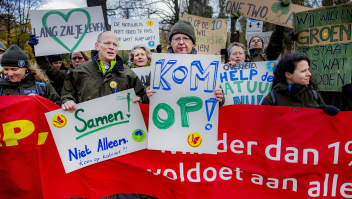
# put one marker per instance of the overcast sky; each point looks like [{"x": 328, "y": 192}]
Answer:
[{"x": 63, "y": 4}]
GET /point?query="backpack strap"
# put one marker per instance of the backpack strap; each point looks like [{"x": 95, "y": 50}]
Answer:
[
  {"x": 264, "y": 56},
  {"x": 40, "y": 87},
  {"x": 315, "y": 95},
  {"x": 273, "y": 97}
]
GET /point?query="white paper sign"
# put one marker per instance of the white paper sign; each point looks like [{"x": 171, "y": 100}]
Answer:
[
  {"x": 254, "y": 25},
  {"x": 184, "y": 110},
  {"x": 142, "y": 73},
  {"x": 131, "y": 32},
  {"x": 66, "y": 30},
  {"x": 98, "y": 130},
  {"x": 265, "y": 36},
  {"x": 246, "y": 83}
]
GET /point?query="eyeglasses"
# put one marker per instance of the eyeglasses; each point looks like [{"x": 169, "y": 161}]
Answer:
[
  {"x": 178, "y": 39},
  {"x": 114, "y": 45}
]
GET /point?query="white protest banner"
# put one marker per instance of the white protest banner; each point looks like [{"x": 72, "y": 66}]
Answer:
[
  {"x": 265, "y": 36},
  {"x": 98, "y": 130},
  {"x": 254, "y": 26},
  {"x": 131, "y": 32},
  {"x": 265, "y": 10},
  {"x": 66, "y": 30},
  {"x": 211, "y": 33},
  {"x": 184, "y": 110},
  {"x": 246, "y": 83},
  {"x": 142, "y": 73}
]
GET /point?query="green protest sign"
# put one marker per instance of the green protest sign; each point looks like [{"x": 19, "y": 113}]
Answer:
[{"x": 324, "y": 35}]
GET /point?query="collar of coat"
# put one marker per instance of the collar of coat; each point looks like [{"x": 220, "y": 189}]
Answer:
[
  {"x": 296, "y": 89},
  {"x": 115, "y": 65},
  {"x": 26, "y": 78}
]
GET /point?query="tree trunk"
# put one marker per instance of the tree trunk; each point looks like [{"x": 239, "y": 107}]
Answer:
[{"x": 101, "y": 3}]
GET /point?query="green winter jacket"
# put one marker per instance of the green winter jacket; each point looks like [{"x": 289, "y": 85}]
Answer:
[
  {"x": 27, "y": 86},
  {"x": 87, "y": 82},
  {"x": 56, "y": 76},
  {"x": 274, "y": 48},
  {"x": 300, "y": 96}
]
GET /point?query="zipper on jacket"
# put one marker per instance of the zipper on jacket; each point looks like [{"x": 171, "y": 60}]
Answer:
[
  {"x": 8, "y": 92},
  {"x": 18, "y": 91}
]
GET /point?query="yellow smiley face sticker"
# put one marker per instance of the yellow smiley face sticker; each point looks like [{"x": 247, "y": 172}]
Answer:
[
  {"x": 59, "y": 121},
  {"x": 150, "y": 23},
  {"x": 194, "y": 140},
  {"x": 113, "y": 84}
]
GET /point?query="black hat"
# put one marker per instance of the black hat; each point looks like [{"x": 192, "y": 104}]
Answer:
[
  {"x": 54, "y": 58},
  {"x": 15, "y": 57},
  {"x": 183, "y": 27}
]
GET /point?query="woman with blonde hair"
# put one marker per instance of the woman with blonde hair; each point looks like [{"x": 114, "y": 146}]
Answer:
[
  {"x": 140, "y": 56},
  {"x": 18, "y": 78}
]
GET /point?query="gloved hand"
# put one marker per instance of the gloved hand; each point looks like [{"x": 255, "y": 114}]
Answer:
[
  {"x": 293, "y": 37},
  {"x": 330, "y": 109},
  {"x": 33, "y": 41},
  {"x": 235, "y": 15},
  {"x": 285, "y": 2}
]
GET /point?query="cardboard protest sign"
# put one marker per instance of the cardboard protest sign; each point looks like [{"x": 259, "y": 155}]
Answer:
[
  {"x": 184, "y": 110},
  {"x": 266, "y": 10},
  {"x": 131, "y": 32},
  {"x": 98, "y": 130},
  {"x": 142, "y": 73},
  {"x": 246, "y": 83},
  {"x": 324, "y": 35},
  {"x": 66, "y": 30},
  {"x": 265, "y": 36},
  {"x": 211, "y": 33}
]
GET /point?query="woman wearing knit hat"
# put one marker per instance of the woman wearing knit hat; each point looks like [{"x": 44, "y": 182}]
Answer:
[{"x": 18, "y": 78}]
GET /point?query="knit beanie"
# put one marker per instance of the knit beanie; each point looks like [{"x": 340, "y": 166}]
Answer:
[
  {"x": 54, "y": 58},
  {"x": 183, "y": 27},
  {"x": 14, "y": 57}
]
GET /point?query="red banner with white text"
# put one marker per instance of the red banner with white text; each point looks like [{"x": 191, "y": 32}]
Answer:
[{"x": 263, "y": 152}]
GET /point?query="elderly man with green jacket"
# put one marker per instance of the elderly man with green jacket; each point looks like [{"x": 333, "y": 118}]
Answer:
[{"x": 103, "y": 76}]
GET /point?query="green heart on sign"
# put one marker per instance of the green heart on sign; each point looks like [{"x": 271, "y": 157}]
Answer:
[{"x": 66, "y": 17}]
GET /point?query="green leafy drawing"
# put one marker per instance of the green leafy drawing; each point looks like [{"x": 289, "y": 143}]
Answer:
[{"x": 66, "y": 17}]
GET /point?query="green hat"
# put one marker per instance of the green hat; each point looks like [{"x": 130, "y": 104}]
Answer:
[
  {"x": 183, "y": 27},
  {"x": 2, "y": 47},
  {"x": 15, "y": 57}
]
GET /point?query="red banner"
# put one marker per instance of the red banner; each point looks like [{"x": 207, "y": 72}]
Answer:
[{"x": 264, "y": 152}]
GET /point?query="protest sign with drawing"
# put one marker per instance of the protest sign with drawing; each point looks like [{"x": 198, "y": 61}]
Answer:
[
  {"x": 265, "y": 10},
  {"x": 98, "y": 130},
  {"x": 324, "y": 35},
  {"x": 131, "y": 32},
  {"x": 211, "y": 33},
  {"x": 246, "y": 83},
  {"x": 66, "y": 30},
  {"x": 142, "y": 73},
  {"x": 184, "y": 110}
]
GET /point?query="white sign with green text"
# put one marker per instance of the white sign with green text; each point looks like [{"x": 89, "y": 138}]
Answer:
[
  {"x": 98, "y": 130},
  {"x": 246, "y": 83},
  {"x": 184, "y": 111},
  {"x": 131, "y": 32},
  {"x": 66, "y": 30}
]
